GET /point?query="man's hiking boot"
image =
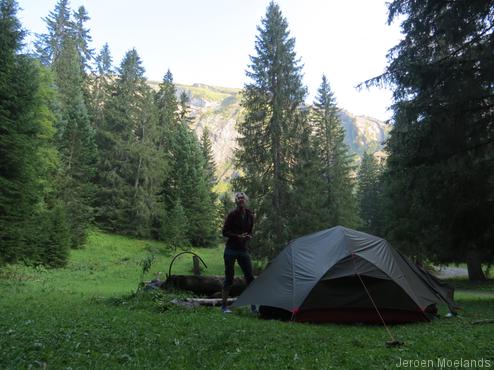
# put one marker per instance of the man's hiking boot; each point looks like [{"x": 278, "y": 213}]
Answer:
[{"x": 225, "y": 309}]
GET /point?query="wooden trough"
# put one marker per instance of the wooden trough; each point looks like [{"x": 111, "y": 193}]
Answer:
[
  {"x": 203, "y": 285},
  {"x": 209, "y": 286}
]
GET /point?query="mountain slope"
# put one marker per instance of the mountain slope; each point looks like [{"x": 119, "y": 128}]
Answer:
[{"x": 218, "y": 109}]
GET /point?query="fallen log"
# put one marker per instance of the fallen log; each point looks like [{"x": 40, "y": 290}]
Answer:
[{"x": 203, "y": 285}]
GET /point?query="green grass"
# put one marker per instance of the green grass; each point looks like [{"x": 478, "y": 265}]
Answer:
[
  {"x": 207, "y": 92},
  {"x": 210, "y": 93},
  {"x": 89, "y": 316}
]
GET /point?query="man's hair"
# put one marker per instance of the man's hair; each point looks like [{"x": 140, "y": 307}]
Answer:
[{"x": 240, "y": 194}]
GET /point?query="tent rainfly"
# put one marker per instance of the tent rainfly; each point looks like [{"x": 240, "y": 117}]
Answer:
[{"x": 343, "y": 275}]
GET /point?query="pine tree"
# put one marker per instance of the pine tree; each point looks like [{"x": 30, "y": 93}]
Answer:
[
  {"x": 101, "y": 86},
  {"x": 28, "y": 157},
  {"x": 18, "y": 135},
  {"x": 209, "y": 163},
  {"x": 47, "y": 232},
  {"x": 370, "y": 195},
  {"x": 166, "y": 102},
  {"x": 184, "y": 108},
  {"x": 210, "y": 175},
  {"x": 440, "y": 167},
  {"x": 130, "y": 166},
  {"x": 61, "y": 26},
  {"x": 175, "y": 228},
  {"x": 186, "y": 193},
  {"x": 308, "y": 213},
  {"x": 65, "y": 49},
  {"x": 76, "y": 142},
  {"x": 268, "y": 131},
  {"x": 83, "y": 39},
  {"x": 104, "y": 62},
  {"x": 50, "y": 236},
  {"x": 171, "y": 210},
  {"x": 186, "y": 184},
  {"x": 337, "y": 196},
  {"x": 49, "y": 46}
]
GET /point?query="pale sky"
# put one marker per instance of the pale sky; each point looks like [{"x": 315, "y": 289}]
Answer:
[{"x": 209, "y": 41}]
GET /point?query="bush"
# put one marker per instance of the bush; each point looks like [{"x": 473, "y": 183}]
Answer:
[{"x": 49, "y": 239}]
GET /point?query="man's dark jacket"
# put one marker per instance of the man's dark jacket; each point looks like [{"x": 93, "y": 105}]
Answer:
[{"x": 236, "y": 223}]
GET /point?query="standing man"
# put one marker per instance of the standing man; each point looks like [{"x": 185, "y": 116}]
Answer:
[{"x": 238, "y": 229}]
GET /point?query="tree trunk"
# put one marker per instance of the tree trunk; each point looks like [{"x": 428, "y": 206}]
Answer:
[
  {"x": 196, "y": 266},
  {"x": 474, "y": 265},
  {"x": 136, "y": 183},
  {"x": 276, "y": 204}
]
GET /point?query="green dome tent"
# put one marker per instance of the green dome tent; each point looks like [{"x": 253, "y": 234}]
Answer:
[{"x": 343, "y": 275}]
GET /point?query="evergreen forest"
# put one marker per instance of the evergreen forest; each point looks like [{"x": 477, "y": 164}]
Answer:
[{"x": 86, "y": 142}]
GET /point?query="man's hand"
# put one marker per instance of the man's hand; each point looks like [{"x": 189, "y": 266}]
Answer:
[{"x": 245, "y": 236}]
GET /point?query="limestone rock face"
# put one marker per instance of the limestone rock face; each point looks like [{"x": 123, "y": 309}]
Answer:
[{"x": 218, "y": 109}]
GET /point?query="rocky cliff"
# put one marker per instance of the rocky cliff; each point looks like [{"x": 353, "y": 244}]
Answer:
[{"x": 218, "y": 109}]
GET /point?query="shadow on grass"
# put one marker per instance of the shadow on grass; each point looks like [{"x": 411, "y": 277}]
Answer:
[{"x": 465, "y": 284}]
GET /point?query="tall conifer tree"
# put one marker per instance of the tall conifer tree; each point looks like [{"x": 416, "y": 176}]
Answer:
[
  {"x": 130, "y": 166},
  {"x": 370, "y": 195},
  {"x": 209, "y": 163},
  {"x": 337, "y": 198},
  {"x": 185, "y": 191},
  {"x": 168, "y": 116},
  {"x": 65, "y": 49},
  {"x": 440, "y": 177},
  {"x": 76, "y": 142},
  {"x": 193, "y": 188},
  {"x": 83, "y": 39},
  {"x": 308, "y": 213},
  {"x": 101, "y": 86},
  {"x": 28, "y": 158},
  {"x": 171, "y": 221},
  {"x": 268, "y": 132},
  {"x": 184, "y": 108},
  {"x": 59, "y": 25}
]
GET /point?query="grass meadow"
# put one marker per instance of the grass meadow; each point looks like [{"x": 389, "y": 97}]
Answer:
[{"x": 90, "y": 315}]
